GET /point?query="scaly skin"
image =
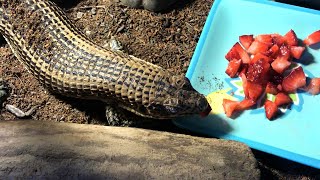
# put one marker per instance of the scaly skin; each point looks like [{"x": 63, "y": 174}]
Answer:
[{"x": 65, "y": 61}]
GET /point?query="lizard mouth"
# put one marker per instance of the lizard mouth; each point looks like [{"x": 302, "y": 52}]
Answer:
[{"x": 206, "y": 112}]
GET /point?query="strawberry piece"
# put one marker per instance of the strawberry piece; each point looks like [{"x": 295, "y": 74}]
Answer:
[
  {"x": 257, "y": 47},
  {"x": 245, "y": 104},
  {"x": 229, "y": 106},
  {"x": 243, "y": 69},
  {"x": 242, "y": 53},
  {"x": 232, "y": 54},
  {"x": 279, "y": 87},
  {"x": 297, "y": 51},
  {"x": 265, "y": 38},
  {"x": 259, "y": 56},
  {"x": 282, "y": 99},
  {"x": 246, "y": 40},
  {"x": 275, "y": 77},
  {"x": 271, "y": 88},
  {"x": 233, "y": 67},
  {"x": 273, "y": 51},
  {"x": 254, "y": 90},
  {"x": 244, "y": 84},
  {"x": 285, "y": 51},
  {"x": 314, "y": 86},
  {"x": 296, "y": 79},
  {"x": 312, "y": 38},
  {"x": 278, "y": 39},
  {"x": 291, "y": 38},
  {"x": 271, "y": 109},
  {"x": 258, "y": 71},
  {"x": 280, "y": 64}
]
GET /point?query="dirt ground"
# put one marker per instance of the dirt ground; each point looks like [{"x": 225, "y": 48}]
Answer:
[{"x": 167, "y": 39}]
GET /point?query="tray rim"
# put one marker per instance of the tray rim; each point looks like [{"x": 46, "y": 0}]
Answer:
[{"x": 253, "y": 144}]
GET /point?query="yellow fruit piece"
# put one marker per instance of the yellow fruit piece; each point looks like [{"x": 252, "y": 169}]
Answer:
[{"x": 215, "y": 100}]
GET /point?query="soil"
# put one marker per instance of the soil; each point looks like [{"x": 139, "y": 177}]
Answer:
[{"x": 167, "y": 39}]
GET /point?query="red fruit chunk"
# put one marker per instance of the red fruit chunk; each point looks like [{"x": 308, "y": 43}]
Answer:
[
  {"x": 297, "y": 51},
  {"x": 265, "y": 38},
  {"x": 285, "y": 51},
  {"x": 259, "y": 56},
  {"x": 271, "y": 109},
  {"x": 258, "y": 71},
  {"x": 312, "y": 38},
  {"x": 279, "y": 87},
  {"x": 244, "y": 84},
  {"x": 280, "y": 64},
  {"x": 314, "y": 86},
  {"x": 296, "y": 79},
  {"x": 233, "y": 67},
  {"x": 232, "y": 54},
  {"x": 242, "y": 53},
  {"x": 254, "y": 90},
  {"x": 291, "y": 38},
  {"x": 275, "y": 77},
  {"x": 243, "y": 69},
  {"x": 271, "y": 88},
  {"x": 229, "y": 106},
  {"x": 257, "y": 47},
  {"x": 282, "y": 99},
  {"x": 245, "y": 104},
  {"x": 278, "y": 39},
  {"x": 273, "y": 51},
  {"x": 246, "y": 40}
]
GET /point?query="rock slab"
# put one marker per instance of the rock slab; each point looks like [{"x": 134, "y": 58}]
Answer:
[{"x": 38, "y": 149}]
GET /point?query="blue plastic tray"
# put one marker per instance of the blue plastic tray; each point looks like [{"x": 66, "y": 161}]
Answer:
[{"x": 295, "y": 135}]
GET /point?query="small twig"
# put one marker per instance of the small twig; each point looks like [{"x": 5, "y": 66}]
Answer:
[
  {"x": 87, "y": 7},
  {"x": 19, "y": 113}
]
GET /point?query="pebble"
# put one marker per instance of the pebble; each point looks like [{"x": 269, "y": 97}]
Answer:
[
  {"x": 80, "y": 15},
  {"x": 94, "y": 11}
]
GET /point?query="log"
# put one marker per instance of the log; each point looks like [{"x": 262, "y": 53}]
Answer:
[{"x": 39, "y": 149}]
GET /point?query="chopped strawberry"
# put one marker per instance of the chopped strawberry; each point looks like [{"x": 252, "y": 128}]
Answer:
[
  {"x": 245, "y": 104},
  {"x": 244, "y": 84},
  {"x": 296, "y": 79},
  {"x": 257, "y": 47},
  {"x": 297, "y": 51},
  {"x": 229, "y": 106},
  {"x": 271, "y": 88},
  {"x": 278, "y": 39},
  {"x": 291, "y": 38},
  {"x": 259, "y": 56},
  {"x": 282, "y": 99},
  {"x": 314, "y": 86},
  {"x": 271, "y": 109},
  {"x": 312, "y": 38},
  {"x": 279, "y": 87},
  {"x": 285, "y": 51},
  {"x": 275, "y": 77},
  {"x": 232, "y": 54},
  {"x": 233, "y": 67},
  {"x": 254, "y": 90},
  {"x": 265, "y": 38},
  {"x": 243, "y": 69},
  {"x": 242, "y": 53},
  {"x": 246, "y": 40},
  {"x": 258, "y": 71},
  {"x": 280, "y": 64},
  {"x": 273, "y": 51}
]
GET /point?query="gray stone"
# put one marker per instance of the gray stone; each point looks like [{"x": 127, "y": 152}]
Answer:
[
  {"x": 37, "y": 149},
  {"x": 151, "y": 5}
]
